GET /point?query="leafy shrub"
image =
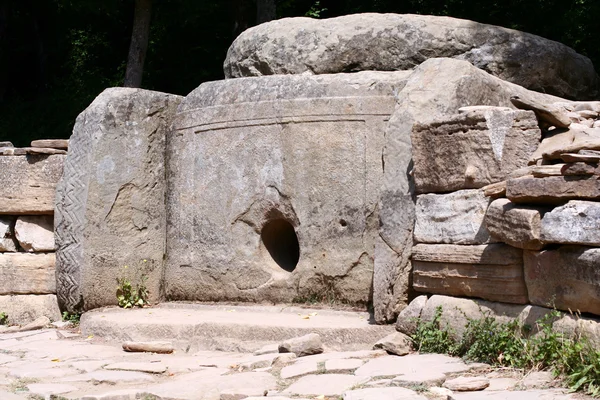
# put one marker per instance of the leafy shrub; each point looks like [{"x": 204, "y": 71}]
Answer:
[
  {"x": 3, "y": 318},
  {"x": 510, "y": 344},
  {"x": 130, "y": 297},
  {"x": 72, "y": 318}
]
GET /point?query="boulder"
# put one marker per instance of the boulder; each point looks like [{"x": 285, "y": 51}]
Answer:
[
  {"x": 455, "y": 218},
  {"x": 517, "y": 225},
  {"x": 472, "y": 149},
  {"x": 23, "y": 309},
  {"x": 396, "y": 343},
  {"x": 7, "y": 240},
  {"x": 242, "y": 223},
  {"x": 566, "y": 278},
  {"x": 437, "y": 87},
  {"x": 29, "y": 183},
  {"x": 491, "y": 272},
  {"x": 302, "y": 346},
  {"x": 35, "y": 233},
  {"x": 110, "y": 204},
  {"x": 576, "y": 222},
  {"x": 22, "y": 273},
  {"x": 554, "y": 190},
  {"x": 6, "y": 144},
  {"x": 390, "y": 42},
  {"x": 409, "y": 317}
]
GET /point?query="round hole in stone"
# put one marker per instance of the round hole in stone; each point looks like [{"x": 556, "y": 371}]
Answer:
[
  {"x": 343, "y": 223},
  {"x": 281, "y": 241}
]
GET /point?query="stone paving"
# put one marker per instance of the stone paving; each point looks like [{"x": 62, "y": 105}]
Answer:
[{"x": 62, "y": 363}]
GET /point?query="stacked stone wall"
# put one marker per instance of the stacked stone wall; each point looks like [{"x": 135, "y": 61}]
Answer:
[
  {"x": 27, "y": 249},
  {"x": 530, "y": 235}
]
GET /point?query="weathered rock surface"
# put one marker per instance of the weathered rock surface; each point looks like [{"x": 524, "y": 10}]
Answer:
[
  {"x": 303, "y": 345},
  {"x": 436, "y": 88},
  {"x": 110, "y": 208},
  {"x": 29, "y": 183},
  {"x": 22, "y": 273},
  {"x": 553, "y": 190},
  {"x": 455, "y": 218},
  {"x": 516, "y": 225},
  {"x": 23, "y": 309},
  {"x": 391, "y": 42},
  {"x": 580, "y": 168},
  {"x": 397, "y": 343},
  {"x": 566, "y": 277},
  {"x": 35, "y": 233},
  {"x": 493, "y": 272},
  {"x": 472, "y": 149},
  {"x": 577, "y": 222},
  {"x": 7, "y": 240},
  {"x": 6, "y": 144},
  {"x": 242, "y": 225}
]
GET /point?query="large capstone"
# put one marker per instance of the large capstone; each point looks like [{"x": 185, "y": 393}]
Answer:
[
  {"x": 110, "y": 208},
  {"x": 274, "y": 187},
  {"x": 390, "y": 42}
]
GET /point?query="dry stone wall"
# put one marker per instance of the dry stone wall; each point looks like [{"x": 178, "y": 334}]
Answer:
[
  {"x": 546, "y": 213},
  {"x": 27, "y": 250}
]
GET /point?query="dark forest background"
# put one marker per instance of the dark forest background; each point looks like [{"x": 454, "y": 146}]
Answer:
[{"x": 56, "y": 56}]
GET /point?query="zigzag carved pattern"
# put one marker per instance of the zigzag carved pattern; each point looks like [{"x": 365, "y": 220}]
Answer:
[{"x": 71, "y": 199}]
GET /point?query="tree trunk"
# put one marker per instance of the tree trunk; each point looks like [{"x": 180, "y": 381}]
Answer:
[
  {"x": 139, "y": 43},
  {"x": 266, "y": 10}
]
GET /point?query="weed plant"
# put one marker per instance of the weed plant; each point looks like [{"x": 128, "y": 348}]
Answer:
[{"x": 512, "y": 344}]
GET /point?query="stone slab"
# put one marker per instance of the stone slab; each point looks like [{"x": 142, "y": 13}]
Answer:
[
  {"x": 382, "y": 394},
  {"x": 110, "y": 204},
  {"x": 580, "y": 168},
  {"x": 233, "y": 328},
  {"x": 51, "y": 143},
  {"x": 46, "y": 390},
  {"x": 29, "y": 183},
  {"x": 561, "y": 141},
  {"x": 577, "y": 222},
  {"x": 299, "y": 369},
  {"x": 23, "y": 309},
  {"x": 392, "y": 42},
  {"x": 412, "y": 363},
  {"x": 494, "y": 253},
  {"x": 35, "y": 233},
  {"x": 566, "y": 278},
  {"x": 224, "y": 206},
  {"x": 22, "y": 273},
  {"x": 454, "y": 218},
  {"x": 503, "y": 283},
  {"x": 553, "y": 190},
  {"x": 516, "y": 225},
  {"x": 324, "y": 385},
  {"x": 472, "y": 149}
]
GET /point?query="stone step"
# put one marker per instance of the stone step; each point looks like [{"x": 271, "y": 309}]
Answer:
[{"x": 194, "y": 327}]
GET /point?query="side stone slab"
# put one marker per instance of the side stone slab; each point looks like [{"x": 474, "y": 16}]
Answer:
[
  {"x": 29, "y": 183},
  {"x": 110, "y": 212}
]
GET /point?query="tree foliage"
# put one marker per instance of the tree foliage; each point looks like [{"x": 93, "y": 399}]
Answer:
[{"x": 56, "y": 56}]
